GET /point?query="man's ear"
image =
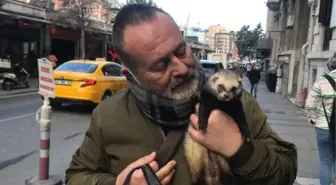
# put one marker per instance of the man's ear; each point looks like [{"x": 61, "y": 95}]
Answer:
[{"x": 129, "y": 75}]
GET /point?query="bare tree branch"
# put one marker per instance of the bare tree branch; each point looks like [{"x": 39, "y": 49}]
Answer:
[{"x": 80, "y": 14}]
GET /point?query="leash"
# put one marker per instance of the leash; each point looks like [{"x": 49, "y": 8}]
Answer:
[{"x": 148, "y": 172}]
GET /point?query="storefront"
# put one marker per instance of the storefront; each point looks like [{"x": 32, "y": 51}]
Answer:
[
  {"x": 18, "y": 39},
  {"x": 95, "y": 44},
  {"x": 21, "y": 33},
  {"x": 64, "y": 44}
]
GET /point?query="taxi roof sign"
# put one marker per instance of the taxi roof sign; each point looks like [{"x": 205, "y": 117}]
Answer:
[{"x": 101, "y": 59}]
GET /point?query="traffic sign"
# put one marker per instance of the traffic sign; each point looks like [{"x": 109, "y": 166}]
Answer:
[{"x": 46, "y": 78}]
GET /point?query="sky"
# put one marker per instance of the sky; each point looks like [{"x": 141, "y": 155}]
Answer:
[{"x": 232, "y": 14}]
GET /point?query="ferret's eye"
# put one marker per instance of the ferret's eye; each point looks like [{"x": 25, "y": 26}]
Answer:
[
  {"x": 220, "y": 88},
  {"x": 234, "y": 88}
]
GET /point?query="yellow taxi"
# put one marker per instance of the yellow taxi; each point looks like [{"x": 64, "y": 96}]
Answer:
[{"x": 86, "y": 81}]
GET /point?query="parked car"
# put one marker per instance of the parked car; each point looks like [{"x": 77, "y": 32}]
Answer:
[
  {"x": 211, "y": 67},
  {"x": 86, "y": 81}
]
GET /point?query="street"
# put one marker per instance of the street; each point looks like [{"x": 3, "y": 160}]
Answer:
[
  {"x": 19, "y": 137},
  {"x": 291, "y": 124},
  {"x": 19, "y": 134}
]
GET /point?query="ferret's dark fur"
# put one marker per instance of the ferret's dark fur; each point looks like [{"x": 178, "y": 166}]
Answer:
[{"x": 222, "y": 91}]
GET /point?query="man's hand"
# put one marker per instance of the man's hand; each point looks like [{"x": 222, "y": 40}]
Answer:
[
  {"x": 222, "y": 136},
  {"x": 165, "y": 174}
]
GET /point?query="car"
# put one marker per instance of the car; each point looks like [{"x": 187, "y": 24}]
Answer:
[
  {"x": 210, "y": 67},
  {"x": 86, "y": 82}
]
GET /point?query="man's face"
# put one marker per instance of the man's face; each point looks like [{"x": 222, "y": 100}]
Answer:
[{"x": 164, "y": 63}]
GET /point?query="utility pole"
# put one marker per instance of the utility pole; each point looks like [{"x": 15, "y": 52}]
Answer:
[{"x": 186, "y": 26}]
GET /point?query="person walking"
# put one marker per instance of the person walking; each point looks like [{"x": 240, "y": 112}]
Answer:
[
  {"x": 319, "y": 105},
  {"x": 254, "y": 76}
]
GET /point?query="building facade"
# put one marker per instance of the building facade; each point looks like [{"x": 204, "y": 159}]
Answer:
[
  {"x": 224, "y": 42},
  {"x": 196, "y": 32},
  {"x": 210, "y": 35},
  {"x": 287, "y": 25},
  {"x": 27, "y": 27},
  {"x": 321, "y": 39}
]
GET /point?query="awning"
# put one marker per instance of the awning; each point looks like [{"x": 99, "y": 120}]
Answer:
[{"x": 15, "y": 15}]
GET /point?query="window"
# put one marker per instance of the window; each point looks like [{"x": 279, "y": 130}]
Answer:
[
  {"x": 112, "y": 70},
  {"x": 314, "y": 74},
  {"x": 324, "y": 18},
  {"x": 77, "y": 67}
]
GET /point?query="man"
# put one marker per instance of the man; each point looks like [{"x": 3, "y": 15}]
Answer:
[
  {"x": 323, "y": 92},
  {"x": 129, "y": 126}
]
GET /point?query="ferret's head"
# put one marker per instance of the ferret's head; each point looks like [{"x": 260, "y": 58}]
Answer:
[{"x": 225, "y": 85}]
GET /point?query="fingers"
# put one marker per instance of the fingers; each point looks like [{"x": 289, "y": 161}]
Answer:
[
  {"x": 218, "y": 115},
  {"x": 138, "y": 177},
  {"x": 194, "y": 121},
  {"x": 166, "y": 170},
  {"x": 168, "y": 178},
  {"x": 142, "y": 161},
  {"x": 197, "y": 108},
  {"x": 154, "y": 165}
]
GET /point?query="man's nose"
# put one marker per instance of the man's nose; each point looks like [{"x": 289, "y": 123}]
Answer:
[{"x": 179, "y": 68}]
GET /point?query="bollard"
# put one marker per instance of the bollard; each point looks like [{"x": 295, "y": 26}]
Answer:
[
  {"x": 43, "y": 177},
  {"x": 44, "y": 139}
]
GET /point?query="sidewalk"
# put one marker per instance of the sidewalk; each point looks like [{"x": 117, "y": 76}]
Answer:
[
  {"x": 291, "y": 123},
  {"x": 33, "y": 83}
]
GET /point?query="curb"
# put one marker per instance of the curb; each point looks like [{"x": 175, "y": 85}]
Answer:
[
  {"x": 306, "y": 181},
  {"x": 14, "y": 94}
]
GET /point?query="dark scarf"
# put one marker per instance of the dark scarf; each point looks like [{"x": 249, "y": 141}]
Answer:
[{"x": 167, "y": 112}]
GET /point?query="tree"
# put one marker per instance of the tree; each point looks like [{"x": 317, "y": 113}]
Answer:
[
  {"x": 78, "y": 14},
  {"x": 247, "y": 41}
]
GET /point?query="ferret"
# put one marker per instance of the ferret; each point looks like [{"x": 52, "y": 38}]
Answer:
[{"x": 222, "y": 91}]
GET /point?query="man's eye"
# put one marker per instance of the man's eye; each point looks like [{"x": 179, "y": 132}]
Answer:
[
  {"x": 161, "y": 66},
  {"x": 181, "y": 52}
]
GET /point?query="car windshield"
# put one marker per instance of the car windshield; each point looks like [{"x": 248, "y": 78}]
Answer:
[
  {"x": 77, "y": 67},
  {"x": 209, "y": 68}
]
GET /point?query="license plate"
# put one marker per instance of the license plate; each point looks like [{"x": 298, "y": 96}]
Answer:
[{"x": 63, "y": 82}]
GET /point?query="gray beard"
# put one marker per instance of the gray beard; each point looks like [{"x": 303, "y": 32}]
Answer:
[{"x": 186, "y": 90}]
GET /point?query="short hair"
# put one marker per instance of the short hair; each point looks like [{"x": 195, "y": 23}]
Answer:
[{"x": 131, "y": 15}]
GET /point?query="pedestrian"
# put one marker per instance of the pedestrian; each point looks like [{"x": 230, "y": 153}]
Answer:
[
  {"x": 248, "y": 67},
  {"x": 240, "y": 70},
  {"x": 126, "y": 128},
  {"x": 319, "y": 105},
  {"x": 254, "y": 78},
  {"x": 53, "y": 59}
]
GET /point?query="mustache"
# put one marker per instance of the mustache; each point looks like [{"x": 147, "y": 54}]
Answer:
[{"x": 181, "y": 80}]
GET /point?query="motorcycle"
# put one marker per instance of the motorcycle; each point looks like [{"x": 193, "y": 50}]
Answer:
[{"x": 17, "y": 77}]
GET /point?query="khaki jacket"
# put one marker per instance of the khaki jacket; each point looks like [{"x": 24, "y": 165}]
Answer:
[{"x": 119, "y": 134}]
